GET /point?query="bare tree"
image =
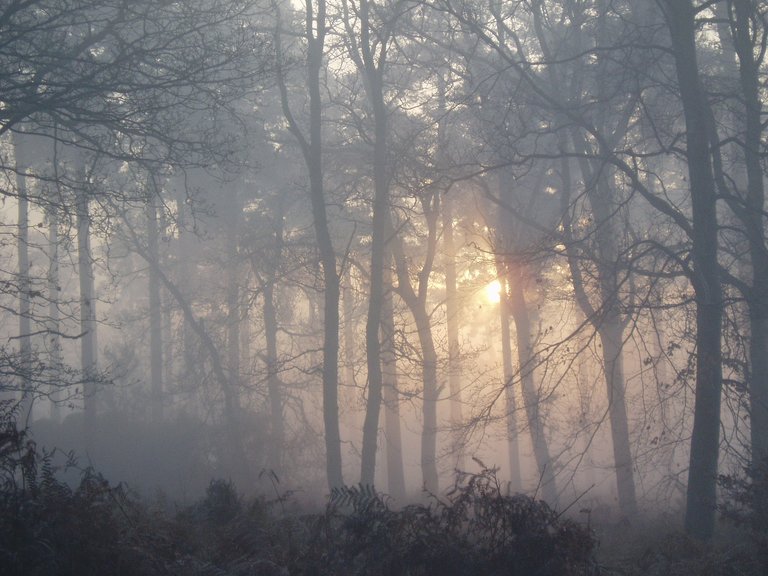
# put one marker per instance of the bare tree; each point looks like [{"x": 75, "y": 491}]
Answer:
[{"x": 312, "y": 151}]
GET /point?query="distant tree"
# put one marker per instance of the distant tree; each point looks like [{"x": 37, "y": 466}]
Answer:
[{"x": 118, "y": 80}]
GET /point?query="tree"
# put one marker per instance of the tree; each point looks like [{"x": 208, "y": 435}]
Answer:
[
  {"x": 312, "y": 151},
  {"x": 25, "y": 343},
  {"x": 155, "y": 312},
  {"x": 747, "y": 26},
  {"x": 705, "y": 439},
  {"x": 88, "y": 326},
  {"x": 369, "y": 54},
  {"x": 113, "y": 80}
]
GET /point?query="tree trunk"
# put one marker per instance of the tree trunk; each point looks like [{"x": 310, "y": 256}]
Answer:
[
  {"x": 25, "y": 340},
  {"x": 348, "y": 303},
  {"x": 607, "y": 319},
  {"x": 452, "y": 311},
  {"x": 312, "y": 150},
  {"x": 381, "y": 218},
  {"x": 513, "y": 448},
  {"x": 54, "y": 327},
  {"x": 167, "y": 321},
  {"x": 705, "y": 439},
  {"x": 88, "y": 339},
  {"x": 612, "y": 339},
  {"x": 277, "y": 436},
  {"x": 235, "y": 447},
  {"x": 755, "y": 231},
  {"x": 232, "y": 409},
  {"x": 452, "y": 326},
  {"x": 531, "y": 398},
  {"x": 155, "y": 309},
  {"x": 416, "y": 300},
  {"x": 189, "y": 368},
  {"x": 395, "y": 471}
]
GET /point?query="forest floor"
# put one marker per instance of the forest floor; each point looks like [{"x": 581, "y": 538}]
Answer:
[
  {"x": 52, "y": 527},
  {"x": 660, "y": 548}
]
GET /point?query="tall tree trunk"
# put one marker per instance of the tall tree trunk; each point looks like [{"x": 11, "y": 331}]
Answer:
[
  {"x": 189, "y": 366},
  {"x": 381, "y": 216},
  {"x": 611, "y": 330},
  {"x": 277, "y": 431},
  {"x": 753, "y": 221},
  {"x": 740, "y": 38},
  {"x": 416, "y": 300},
  {"x": 452, "y": 326},
  {"x": 312, "y": 150},
  {"x": 167, "y": 321},
  {"x": 431, "y": 392},
  {"x": 705, "y": 439},
  {"x": 25, "y": 339},
  {"x": 232, "y": 408},
  {"x": 350, "y": 341},
  {"x": 607, "y": 320},
  {"x": 277, "y": 434},
  {"x": 452, "y": 311},
  {"x": 88, "y": 339},
  {"x": 395, "y": 471},
  {"x": 513, "y": 447},
  {"x": 612, "y": 339},
  {"x": 531, "y": 398},
  {"x": 53, "y": 322},
  {"x": 155, "y": 309}
]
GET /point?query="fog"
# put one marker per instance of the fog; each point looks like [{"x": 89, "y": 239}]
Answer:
[{"x": 301, "y": 246}]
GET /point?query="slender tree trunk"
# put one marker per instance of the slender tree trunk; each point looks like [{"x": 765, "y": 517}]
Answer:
[
  {"x": 312, "y": 150},
  {"x": 348, "y": 299},
  {"x": 607, "y": 321},
  {"x": 25, "y": 339},
  {"x": 395, "y": 470},
  {"x": 585, "y": 382},
  {"x": 612, "y": 339},
  {"x": 513, "y": 448},
  {"x": 381, "y": 217},
  {"x": 751, "y": 215},
  {"x": 331, "y": 329},
  {"x": 235, "y": 449},
  {"x": 431, "y": 392},
  {"x": 277, "y": 434},
  {"x": 452, "y": 326},
  {"x": 416, "y": 300},
  {"x": 452, "y": 311},
  {"x": 167, "y": 316},
  {"x": 531, "y": 397},
  {"x": 705, "y": 439},
  {"x": 189, "y": 366},
  {"x": 611, "y": 330},
  {"x": 277, "y": 437},
  {"x": 88, "y": 340},
  {"x": 155, "y": 309},
  {"x": 54, "y": 327},
  {"x": 232, "y": 408},
  {"x": 753, "y": 222}
]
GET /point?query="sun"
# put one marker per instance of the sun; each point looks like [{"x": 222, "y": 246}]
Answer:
[{"x": 492, "y": 292}]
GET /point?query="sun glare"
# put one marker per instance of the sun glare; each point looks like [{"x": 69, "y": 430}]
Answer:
[{"x": 493, "y": 292}]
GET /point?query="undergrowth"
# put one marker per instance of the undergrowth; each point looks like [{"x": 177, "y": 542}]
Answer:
[{"x": 48, "y": 527}]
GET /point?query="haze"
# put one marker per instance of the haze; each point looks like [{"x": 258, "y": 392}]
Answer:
[{"x": 342, "y": 241}]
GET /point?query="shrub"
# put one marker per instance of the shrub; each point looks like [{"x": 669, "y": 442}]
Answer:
[
  {"x": 50, "y": 528},
  {"x": 477, "y": 530},
  {"x": 746, "y": 505}
]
